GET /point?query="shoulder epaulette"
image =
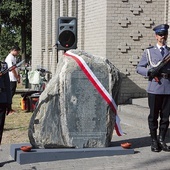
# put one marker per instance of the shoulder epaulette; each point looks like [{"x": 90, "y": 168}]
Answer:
[
  {"x": 3, "y": 65},
  {"x": 149, "y": 47},
  {"x": 3, "y": 62},
  {"x": 168, "y": 48}
]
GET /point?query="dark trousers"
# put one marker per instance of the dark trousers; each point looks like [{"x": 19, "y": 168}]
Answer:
[
  {"x": 13, "y": 86},
  {"x": 159, "y": 106},
  {"x": 2, "y": 119}
]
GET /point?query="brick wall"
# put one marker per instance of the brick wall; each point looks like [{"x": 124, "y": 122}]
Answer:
[
  {"x": 36, "y": 33},
  {"x": 119, "y": 30},
  {"x": 95, "y": 27},
  {"x": 129, "y": 32}
]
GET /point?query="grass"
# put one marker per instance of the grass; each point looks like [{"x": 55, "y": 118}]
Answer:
[{"x": 16, "y": 125}]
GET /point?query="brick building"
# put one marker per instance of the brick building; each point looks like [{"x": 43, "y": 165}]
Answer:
[{"x": 116, "y": 29}]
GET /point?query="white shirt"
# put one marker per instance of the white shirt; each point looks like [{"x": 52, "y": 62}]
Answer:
[
  {"x": 11, "y": 60},
  {"x": 159, "y": 47}
]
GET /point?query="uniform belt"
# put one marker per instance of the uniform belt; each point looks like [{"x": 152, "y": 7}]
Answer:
[
  {"x": 2, "y": 90},
  {"x": 165, "y": 75}
]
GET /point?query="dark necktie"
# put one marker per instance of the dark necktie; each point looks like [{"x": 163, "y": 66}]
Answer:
[{"x": 162, "y": 51}]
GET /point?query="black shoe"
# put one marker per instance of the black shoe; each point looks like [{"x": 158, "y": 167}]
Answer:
[
  {"x": 155, "y": 147},
  {"x": 164, "y": 146}
]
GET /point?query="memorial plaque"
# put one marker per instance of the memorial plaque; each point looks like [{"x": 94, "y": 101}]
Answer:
[{"x": 86, "y": 109}]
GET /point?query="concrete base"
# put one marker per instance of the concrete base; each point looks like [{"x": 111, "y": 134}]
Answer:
[{"x": 46, "y": 155}]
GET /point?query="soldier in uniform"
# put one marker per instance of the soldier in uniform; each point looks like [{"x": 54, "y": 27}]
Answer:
[
  {"x": 158, "y": 88},
  {"x": 5, "y": 96}
]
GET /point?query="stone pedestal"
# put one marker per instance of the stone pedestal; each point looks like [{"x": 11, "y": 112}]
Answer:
[{"x": 48, "y": 155}]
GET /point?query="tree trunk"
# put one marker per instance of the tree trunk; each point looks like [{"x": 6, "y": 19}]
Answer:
[{"x": 23, "y": 40}]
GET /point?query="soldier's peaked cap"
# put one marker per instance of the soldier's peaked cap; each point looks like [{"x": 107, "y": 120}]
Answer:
[{"x": 161, "y": 28}]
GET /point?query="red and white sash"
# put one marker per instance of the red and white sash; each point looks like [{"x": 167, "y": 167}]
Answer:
[{"x": 100, "y": 88}]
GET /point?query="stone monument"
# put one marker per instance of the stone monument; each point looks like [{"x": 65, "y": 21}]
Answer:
[{"x": 71, "y": 112}]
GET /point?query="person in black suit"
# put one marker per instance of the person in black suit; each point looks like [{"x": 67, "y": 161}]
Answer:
[{"x": 5, "y": 96}]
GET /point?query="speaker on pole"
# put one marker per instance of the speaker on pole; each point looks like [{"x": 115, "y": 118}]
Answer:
[{"x": 66, "y": 33}]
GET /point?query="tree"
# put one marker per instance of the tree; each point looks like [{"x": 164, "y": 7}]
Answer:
[{"x": 15, "y": 26}]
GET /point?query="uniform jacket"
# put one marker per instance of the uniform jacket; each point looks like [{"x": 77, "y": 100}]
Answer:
[
  {"x": 163, "y": 86},
  {"x": 5, "y": 92}
]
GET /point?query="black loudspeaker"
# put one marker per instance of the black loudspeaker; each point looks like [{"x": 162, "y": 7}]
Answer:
[{"x": 66, "y": 33}]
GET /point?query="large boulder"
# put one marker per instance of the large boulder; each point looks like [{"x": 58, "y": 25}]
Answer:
[{"x": 71, "y": 112}]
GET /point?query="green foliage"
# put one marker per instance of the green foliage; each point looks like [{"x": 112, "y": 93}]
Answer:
[
  {"x": 8, "y": 38},
  {"x": 13, "y": 11},
  {"x": 14, "y": 16}
]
